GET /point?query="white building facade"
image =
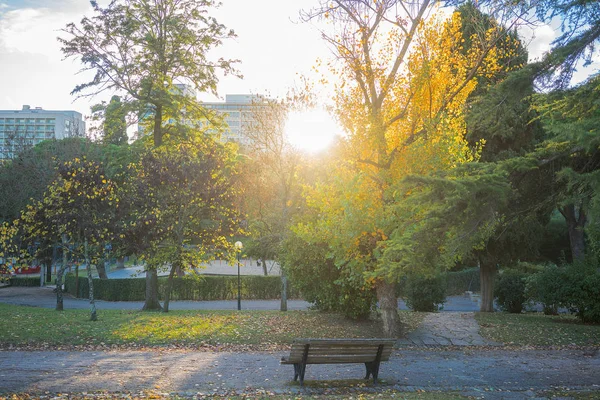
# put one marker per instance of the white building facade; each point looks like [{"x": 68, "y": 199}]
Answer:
[
  {"x": 238, "y": 113},
  {"x": 21, "y": 129}
]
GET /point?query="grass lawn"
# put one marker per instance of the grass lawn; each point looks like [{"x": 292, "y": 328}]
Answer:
[
  {"x": 38, "y": 327},
  {"x": 537, "y": 330},
  {"x": 386, "y": 394}
]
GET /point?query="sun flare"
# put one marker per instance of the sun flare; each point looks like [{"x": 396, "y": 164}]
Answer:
[{"x": 312, "y": 130}]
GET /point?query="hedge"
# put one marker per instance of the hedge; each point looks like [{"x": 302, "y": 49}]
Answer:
[
  {"x": 460, "y": 281},
  {"x": 29, "y": 281},
  {"x": 185, "y": 288}
]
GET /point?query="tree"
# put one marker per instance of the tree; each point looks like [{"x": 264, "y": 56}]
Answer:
[
  {"x": 141, "y": 48},
  {"x": 571, "y": 156},
  {"x": 272, "y": 186},
  {"x": 16, "y": 141},
  {"x": 113, "y": 121},
  {"x": 77, "y": 210},
  {"x": 402, "y": 91},
  {"x": 180, "y": 211}
]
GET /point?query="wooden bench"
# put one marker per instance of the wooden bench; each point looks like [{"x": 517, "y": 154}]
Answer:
[{"x": 371, "y": 352}]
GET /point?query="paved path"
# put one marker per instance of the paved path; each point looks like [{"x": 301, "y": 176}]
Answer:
[
  {"x": 445, "y": 329},
  {"x": 494, "y": 373}
]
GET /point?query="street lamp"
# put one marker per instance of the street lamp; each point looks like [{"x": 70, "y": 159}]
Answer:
[{"x": 239, "y": 246}]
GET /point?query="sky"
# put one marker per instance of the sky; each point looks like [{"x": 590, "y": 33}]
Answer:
[{"x": 274, "y": 47}]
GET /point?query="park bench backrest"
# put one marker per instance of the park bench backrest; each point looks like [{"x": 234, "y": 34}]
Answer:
[{"x": 334, "y": 351}]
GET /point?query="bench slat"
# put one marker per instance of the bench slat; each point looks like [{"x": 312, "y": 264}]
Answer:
[
  {"x": 343, "y": 342},
  {"x": 373, "y": 352}
]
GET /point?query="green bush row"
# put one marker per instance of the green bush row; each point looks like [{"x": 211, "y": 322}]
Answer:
[
  {"x": 30, "y": 281},
  {"x": 458, "y": 282},
  {"x": 575, "y": 287},
  {"x": 185, "y": 288}
]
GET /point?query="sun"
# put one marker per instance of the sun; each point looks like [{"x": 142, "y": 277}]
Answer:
[{"x": 312, "y": 130}]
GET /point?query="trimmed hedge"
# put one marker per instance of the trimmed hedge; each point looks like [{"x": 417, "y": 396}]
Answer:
[
  {"x": 30, "y": 281},
  {"x": 460, "y": 281},
  {"x": 186, "y": 288}
]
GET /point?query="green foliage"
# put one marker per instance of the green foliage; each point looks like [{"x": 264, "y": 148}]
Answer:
[
  {"x": 510, "y": 290},
  {"x": 575, "y": 286},
  {"x": 186, "y": 288},
  {"x": 79, "y": 205},
  {"x": 28, "y": 176},
  {"x": 448, "y": 217},
  {"x": 112, "y": 117},
  {"x": 180, "y": 204},
  {"x": 548, "y": 287},
  {"x": 29, "y": 281},
  {"x": 458, "y": 282},
  {"x": 321, "y": 282},
  {"x": 142, "y": 48},
  {"x": 425, "y": 293}
]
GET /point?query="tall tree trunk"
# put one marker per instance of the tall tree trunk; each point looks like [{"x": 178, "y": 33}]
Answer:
[
  {"x": 152, "y": 303},
  {"x": 388, "y": 305},
  {"x": 169, "y": 287},
  {"x": 88, "y": 267},
  {"x": 284, "y": 291},
  {"x": 120, "y": 263},
  {"x": 77, "y": 281},
  {"x": 101, "y": 268},
  {"x": 158, "y": 126},
  {"x": 576, "y": 220},
  {"x": 487, "y": 276},
  {"x": 179, "y": 272},
  {"x": 59, "y": 292},
  {"x": 264, "y": 266}
]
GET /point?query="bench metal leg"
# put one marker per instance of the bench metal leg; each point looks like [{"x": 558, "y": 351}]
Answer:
[
  {"x": 296, "y": 371},
  {"x": 302, "y": 365},
  {"x": 369, "y": 368},
  {"x": 302, "y": 372},
  {"x": 373, "y": 366}
]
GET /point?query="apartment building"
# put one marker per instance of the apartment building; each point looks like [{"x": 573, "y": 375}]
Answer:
[{"x": 22, "y": 129}]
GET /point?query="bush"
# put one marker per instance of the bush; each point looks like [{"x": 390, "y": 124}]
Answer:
[
  {"x": 510, "y": 290},
  {"x": 29, "y": 281},
  {"x": 458, "y": 282},
  {"x": 575, "y": 287},
  {"x": 547, "y": 287},
  {"x": 321, "y": 282},
  {"x": 586, "y": 301},
  {"x": 425, "y": 294},
  {"x": 185, "y": 288}
]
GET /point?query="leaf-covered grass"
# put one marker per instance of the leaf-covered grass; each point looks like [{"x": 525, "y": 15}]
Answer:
[
  {"x": 24, "y": 326},
  {"x": 379, "y": 395},
  {"x": 537, "y": 330}
]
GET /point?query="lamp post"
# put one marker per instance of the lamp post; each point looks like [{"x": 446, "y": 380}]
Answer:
[{"x": 239, "y": 246}]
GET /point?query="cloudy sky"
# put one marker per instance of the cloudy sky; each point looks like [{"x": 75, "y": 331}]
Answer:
[{"x": 273, "y": 46}]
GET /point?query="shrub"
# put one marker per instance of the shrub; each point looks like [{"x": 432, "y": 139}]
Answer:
[
  {"x": 459, "y": 282},
  {"x": 425, "y": 293},
  {"x": 185, "y": 288},
  {"x": 510, "y": 290},
  {"x": 322, "y": 283},
  {"x": 547, "y": 287},
  {"x": 576, "y": 287},
  {"x": 29, "y": 281}
]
